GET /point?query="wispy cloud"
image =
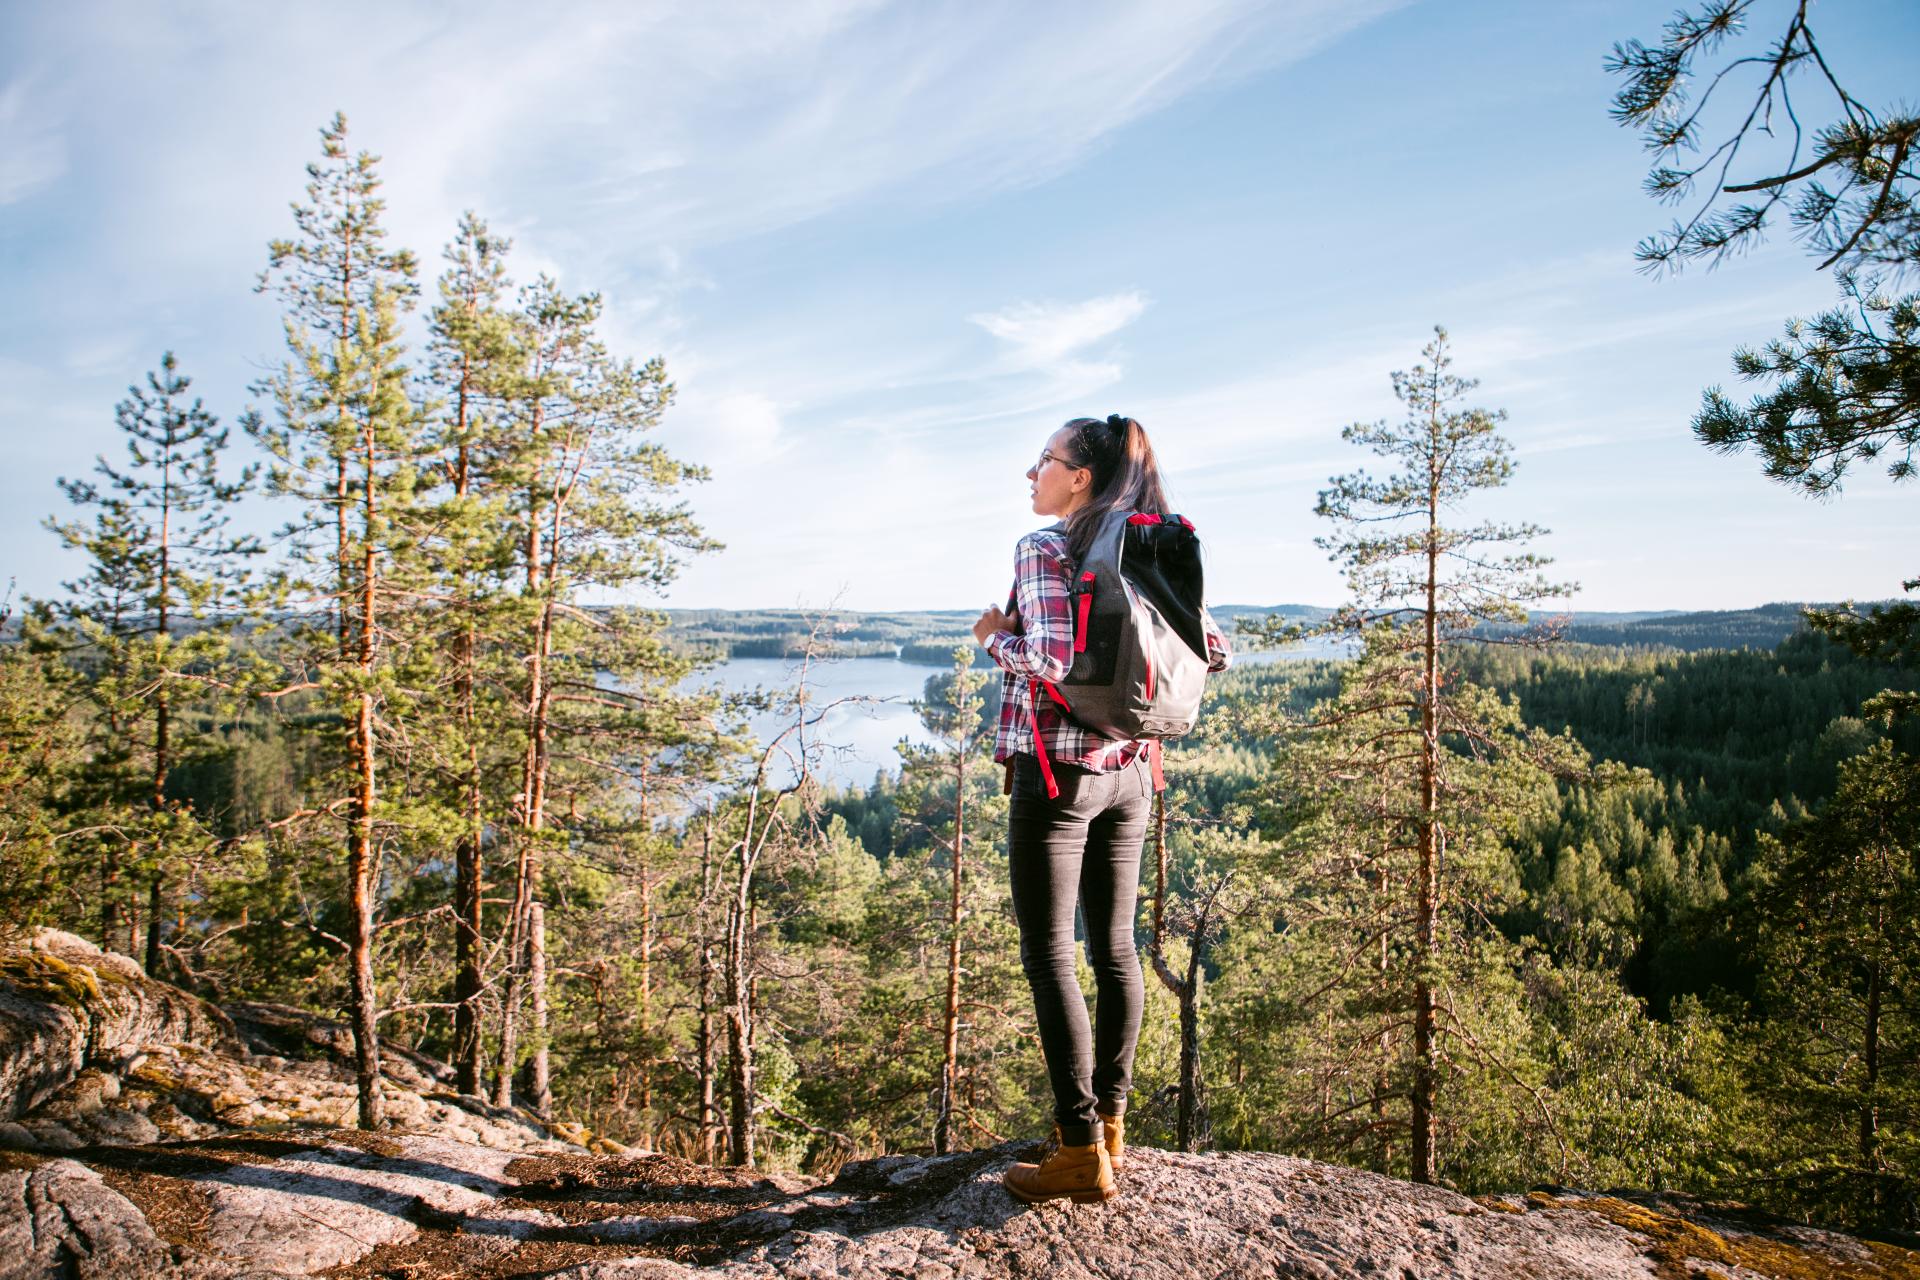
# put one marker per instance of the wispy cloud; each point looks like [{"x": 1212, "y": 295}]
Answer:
[
  {"x": 33, "y": 151},
  {"x": 608, "y": 128},
  {"x": 1043, "y": 335}
]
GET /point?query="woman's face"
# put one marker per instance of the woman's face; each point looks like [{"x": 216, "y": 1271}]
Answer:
[{"x": 1058, "y": 487}]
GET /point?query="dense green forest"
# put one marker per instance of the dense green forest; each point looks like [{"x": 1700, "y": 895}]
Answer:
[{"x": 1473, "y": 906}]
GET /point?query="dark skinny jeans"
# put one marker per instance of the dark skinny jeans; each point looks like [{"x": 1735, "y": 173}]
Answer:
[{"x": 1084, "y": 845}]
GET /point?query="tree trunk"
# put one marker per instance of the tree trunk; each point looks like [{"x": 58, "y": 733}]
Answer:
[
  {"x": 708, "y": 1129},
  {"x": 539, "y": 1086},
  {"x": 739, "y": 1054},
  {"x": 950, "y": 1036},
  {"x": 469, "y": 868},
  {"x": 109, "y": 897},
  {"x": 162, "y": 707},
  {"x": 506, "y": 1053},
  {"x": 366, "y": 1044},
  {"x": 645, "y": 1027},
  {"x": 1193, "y": 1128},
  {"x": 154, "y": 908},
  {"x": 468, "y": 881},
  {"x": 343, "y": 547},
  {"x": 1870, "y": 1061},
  {"x": 1383, "y": 1072},
  {"x": 533, "y": 800},
  {"x": 1426, "y": 907},
  {"x": 739, "y": 1013},
  {"x": 467, "y": 977}
]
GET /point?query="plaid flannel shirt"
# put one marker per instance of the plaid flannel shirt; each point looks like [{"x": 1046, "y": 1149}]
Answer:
[{"x": 1042, "y": 649}]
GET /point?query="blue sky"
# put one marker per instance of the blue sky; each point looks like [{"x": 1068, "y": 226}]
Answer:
[{"x": 886, "y": 247}]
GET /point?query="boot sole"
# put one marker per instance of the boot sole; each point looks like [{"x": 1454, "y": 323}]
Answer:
[{"x": 1078, "y": 1197}]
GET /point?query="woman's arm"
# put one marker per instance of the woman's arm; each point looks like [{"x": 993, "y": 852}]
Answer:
[{"x": 1043, "y": 590}]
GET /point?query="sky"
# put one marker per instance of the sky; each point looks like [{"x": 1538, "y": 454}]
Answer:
[{"x": 885, "y": 248}]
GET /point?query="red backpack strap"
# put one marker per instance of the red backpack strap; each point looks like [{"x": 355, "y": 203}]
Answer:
[
  {"x": 1039, "y": 743},
  {"x": 1153, "y": 763},
  {"x": 1080, "y": 622}
]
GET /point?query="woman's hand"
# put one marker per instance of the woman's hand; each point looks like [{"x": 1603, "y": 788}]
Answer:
[{"x": 991, "y": 621}]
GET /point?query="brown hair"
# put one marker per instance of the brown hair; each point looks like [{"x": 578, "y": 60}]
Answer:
[{"x": 1125, "y": 475}]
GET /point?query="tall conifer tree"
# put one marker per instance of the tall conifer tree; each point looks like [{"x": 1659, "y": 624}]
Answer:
[
  {"x": 596, "y": 513},
  {"x": 348, "y": 448},
  {"x": 153, "y": 610},
  {"x": 939, "y": 780},
  {"x": 476, "y": 360},
  {"x": 1427, "y": 752}
]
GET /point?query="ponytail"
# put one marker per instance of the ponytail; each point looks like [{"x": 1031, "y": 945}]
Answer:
[{"x": 1126, "y": 476}]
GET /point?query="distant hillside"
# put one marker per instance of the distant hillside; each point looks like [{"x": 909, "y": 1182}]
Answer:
[
  {"x": 929, "y": 636},
  {"x": 1758, "y": 628}
]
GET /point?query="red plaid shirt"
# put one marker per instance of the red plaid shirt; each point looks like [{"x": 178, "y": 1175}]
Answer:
[{"x": 1042, "y": 649}]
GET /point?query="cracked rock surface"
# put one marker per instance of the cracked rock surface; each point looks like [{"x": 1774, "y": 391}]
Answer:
[
  {"x": 144, "y": 1134},
  {"x": 61, "y": 1219},
  {"x": 354, "y": 1206}
]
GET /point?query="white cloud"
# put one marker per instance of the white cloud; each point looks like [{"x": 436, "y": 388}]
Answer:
[
  {"x": 597, "y": 129},
  {"x": 727, "y": 427},
  {"x": 1043, "y": 335},
  {"x": 33, "y": 152}
]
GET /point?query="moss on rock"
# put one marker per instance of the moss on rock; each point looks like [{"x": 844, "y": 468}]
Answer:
[
  {"x": 1684, "y": 1250},
  {"x": 40, "y": 976}
]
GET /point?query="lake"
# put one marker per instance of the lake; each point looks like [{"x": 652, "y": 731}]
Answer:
[{"x": 859, "y": 738}]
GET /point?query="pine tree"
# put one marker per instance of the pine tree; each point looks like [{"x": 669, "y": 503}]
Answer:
[
  {"x": 153, "y": 616},
  {"x": 594, "y": 513},
  {"x": 942, "y": 776},
  {"x": 349, "y": 447},
  {"x": 476, "y": 360},
  {"x": 1838, "y": 898},
  {"x": 1438, "y": 766}
]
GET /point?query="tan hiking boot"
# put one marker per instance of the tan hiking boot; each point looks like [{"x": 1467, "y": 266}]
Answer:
[
  {"x": 1082, "y": 1174},
  {"x": 1115, "y": 1128},
  {"x": 1116, "y": 1140}
]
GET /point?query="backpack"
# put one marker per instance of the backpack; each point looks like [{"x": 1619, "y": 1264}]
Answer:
[{"x": 1139, "y": 639}]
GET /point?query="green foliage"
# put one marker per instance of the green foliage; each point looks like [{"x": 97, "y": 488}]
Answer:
[
  {"x": 1846, "y": 388},
  {"x": 149, "y": 624},
  {"x": 1848, "y": 189},
  {"x": 1843, "y": 392},
  {"x": 42, "y": 744},
  {"x": 1837, "y": 921}
]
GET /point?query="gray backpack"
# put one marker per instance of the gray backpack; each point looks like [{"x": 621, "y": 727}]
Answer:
[{"x": 1139, "y": 638}]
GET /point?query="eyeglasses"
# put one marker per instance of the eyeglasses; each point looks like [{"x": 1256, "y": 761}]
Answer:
[{"x": 1048, "y": 455}]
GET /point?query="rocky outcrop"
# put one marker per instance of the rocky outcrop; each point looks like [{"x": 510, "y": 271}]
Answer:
[
  {"x": 93, "y": 1052},
  {"x": 155, "y": 1136},
  {"x": 64, "y": 1004},
  {"x": 356, "y": 1205}
]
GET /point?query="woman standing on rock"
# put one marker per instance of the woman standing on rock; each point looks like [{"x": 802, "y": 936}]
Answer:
[{"x": 1080, "y": 804}]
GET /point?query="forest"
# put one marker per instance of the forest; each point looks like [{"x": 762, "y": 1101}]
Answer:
[{"x": 1507, "y": 897}]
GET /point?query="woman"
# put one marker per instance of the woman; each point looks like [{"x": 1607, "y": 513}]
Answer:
[{"x": 1081, "y": 846}]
